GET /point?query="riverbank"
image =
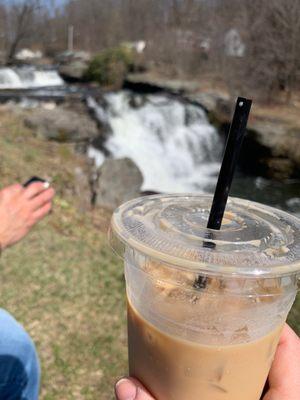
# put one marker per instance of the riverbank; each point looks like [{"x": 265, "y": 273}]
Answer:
[
  {"x": 63, "y": 282},
  {"x": 272, "y": 145}
]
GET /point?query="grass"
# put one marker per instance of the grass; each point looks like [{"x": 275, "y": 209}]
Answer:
[
  {"x": 66, "y": 287},
  {"x": 63, "y": 282}
]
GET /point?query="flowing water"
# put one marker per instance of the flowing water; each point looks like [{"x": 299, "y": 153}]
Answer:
[
  {"x": 172, "y": 143},
  {"x": 177, "y": 149},
  {"x": 28, "y": 78}
]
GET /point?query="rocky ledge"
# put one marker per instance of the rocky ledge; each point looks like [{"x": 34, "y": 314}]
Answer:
[
  {"x": 272, "y": 144},
  {"x": 62, "y": 124},
  {"x": 108, "y": 186}
]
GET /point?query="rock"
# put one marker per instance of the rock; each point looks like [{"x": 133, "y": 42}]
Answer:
[
  {"x": 118, "y": 181},
  {"x": 148, "y": 82},
  {"x": 69, "y": 56},
  {"x": 281, "y": 142},
  {"x": 269, "y": 132},
  {"x": 290, "y": 145},
  {"x": 218, "y": 106},
  {"x": 279, "y": 168},
  {"x": 49, "y": 105},
  {"x": 73, "y": 71},
  {"x": 62, "y": 125},
  {"x": 72, "y": 65},
  {"x": 28, "y": 55},
  {"x": 272, "y": 145}
]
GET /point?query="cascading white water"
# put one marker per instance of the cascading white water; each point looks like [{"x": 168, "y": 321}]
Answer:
[
  {"x": 172, "y": 142},
  {"x": 9, "y": 79},
  {"x": 28, "y": 78}
]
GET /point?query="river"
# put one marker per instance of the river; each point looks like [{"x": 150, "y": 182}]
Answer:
[{"x": 170, "y": 140}]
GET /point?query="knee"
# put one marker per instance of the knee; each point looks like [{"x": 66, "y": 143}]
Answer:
[{"x": 16, "y": 347}]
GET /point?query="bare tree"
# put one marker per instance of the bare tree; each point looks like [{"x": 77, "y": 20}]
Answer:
[
  {"x": 270, "y": 32},
  {"x": 281, "y": 43},
  {"x": 184, "y": 37},
  {"x": 272, "y": 60},
  {"x": 3, "y": 18},
  {"x": 21, "y": 16}
]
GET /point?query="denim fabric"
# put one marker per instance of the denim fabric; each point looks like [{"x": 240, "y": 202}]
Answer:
[{"x": 19, "y": 364}]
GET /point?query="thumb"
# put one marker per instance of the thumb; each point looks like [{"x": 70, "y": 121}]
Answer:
[
  {"x": 285, "y": 372},
  {"x": 131, "y": 389}
]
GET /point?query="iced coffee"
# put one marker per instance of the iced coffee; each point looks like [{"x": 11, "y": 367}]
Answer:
[
  {"x": 205, "y": 312},
  {"x": 176, "y": 368}
]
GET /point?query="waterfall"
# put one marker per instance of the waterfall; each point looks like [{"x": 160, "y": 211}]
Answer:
[
  {"x": 172, "y": 142},
  {"x": 28, "y": 78}
]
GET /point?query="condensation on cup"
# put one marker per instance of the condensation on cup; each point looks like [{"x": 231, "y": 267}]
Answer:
[{"x": 205, "y": 308}]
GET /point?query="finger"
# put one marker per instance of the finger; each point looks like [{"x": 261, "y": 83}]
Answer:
[
  {"x": 35, "y": 189},
  {"x": 42, "y": 212},
  {"x": 285, "y": 372},
  {"x": 131, "y": 389},
  {"x": 40, "y": 200},
  {"x": 13, "y": 189}
]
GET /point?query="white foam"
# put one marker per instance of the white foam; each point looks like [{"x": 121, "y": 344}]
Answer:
[
  {"x": 28, "y": 77},
  {"x": 96, "y": 155},
  {"x": 172, "y": 143},
  {"x": 9, "y": 79}
]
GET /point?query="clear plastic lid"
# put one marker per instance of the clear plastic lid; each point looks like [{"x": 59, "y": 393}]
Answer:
[{"x": 255, "y": 240}]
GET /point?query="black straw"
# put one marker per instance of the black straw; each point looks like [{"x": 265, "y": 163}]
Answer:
[
  {"x": 231, "y": 155},
  {"x": 232, "y": 150}
]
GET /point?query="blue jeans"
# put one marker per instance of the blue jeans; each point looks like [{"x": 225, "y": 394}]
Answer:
[{"x": 19, "y": 364}]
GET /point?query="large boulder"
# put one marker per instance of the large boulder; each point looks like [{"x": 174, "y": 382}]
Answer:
[
  {"x": 272, "y": 144},
  {"x": 69, "y": 56},
  {"x": 118, "y": 181},
  {"x": 217, "y": 105},
  {"x": 73, "y": 71},
  {"x": 62, "y": 125},
  {"x": 73, "y": 65}
]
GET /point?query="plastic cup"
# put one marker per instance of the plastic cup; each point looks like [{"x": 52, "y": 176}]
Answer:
[{"x": 205, "y": 308}]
